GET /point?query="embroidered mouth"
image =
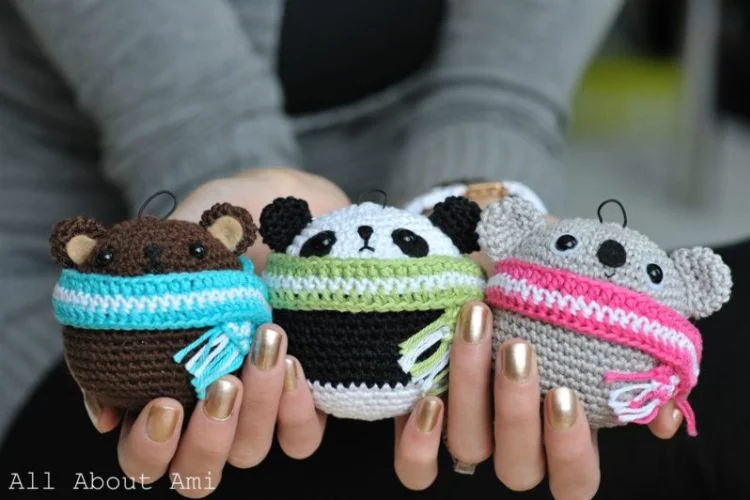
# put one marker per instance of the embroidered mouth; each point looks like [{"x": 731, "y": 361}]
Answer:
[{"x": 367, "y": 247}]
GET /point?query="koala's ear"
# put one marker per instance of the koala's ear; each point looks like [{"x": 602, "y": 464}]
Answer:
[
  {"x": 505, "y": 223},
  {"x": 707, "y": 278},
  {"x": 458, "y": 217},
  {"x": 233, "y": 226},
  {"x": 282, "y": 220},
  {"x": 72, "y": 240}
]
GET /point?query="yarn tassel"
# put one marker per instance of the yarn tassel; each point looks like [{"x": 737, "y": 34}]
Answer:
[
  {"x": 656, "y": 387},
  {"x": 222, "y": 351},
  {"x": 429, "y": 374}
]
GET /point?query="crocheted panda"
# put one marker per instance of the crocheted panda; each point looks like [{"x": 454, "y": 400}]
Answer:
[
  {"x": 369, "y": 297},
  {"x": 156, "y": 307},
  {"x": 604, "y": 307}
]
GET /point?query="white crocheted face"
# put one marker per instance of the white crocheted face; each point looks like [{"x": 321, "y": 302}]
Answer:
[
  {"x": 694, "y": 282},
  {"x": 371, "y": 231}
]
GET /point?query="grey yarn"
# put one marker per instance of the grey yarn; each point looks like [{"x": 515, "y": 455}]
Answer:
[
  {"x": 696, "y": 283},
  {"x": 568, "y": 359}
]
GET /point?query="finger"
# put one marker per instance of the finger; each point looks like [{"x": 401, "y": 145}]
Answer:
[
  {"x": 519, "y": 451},
  {"x": 148, "y": 442},
  {"x": 416, "y": 452},
  {"x": 202, "y": 453},
  {"x": 300, "y": 425},
  {"x": 469, "y": 411},
  {"x": 263, "y": 380},
  {"x": 104, "y": 418},
  {"x": 667, "y": 421},
  {"x": 572, "y": 461}
]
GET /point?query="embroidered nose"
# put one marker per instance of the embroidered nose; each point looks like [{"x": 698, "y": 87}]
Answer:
[
  {"x": 365, "y": 232},
  {"x": 611, "y": 254},
  {"x": 152, "y": 252}
]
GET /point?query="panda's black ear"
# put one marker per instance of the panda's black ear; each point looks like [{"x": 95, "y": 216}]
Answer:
[
  {"x": 282, "y": 220},
  {"x": 458, "y": 217}
]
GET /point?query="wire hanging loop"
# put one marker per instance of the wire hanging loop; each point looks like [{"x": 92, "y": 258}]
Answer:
[
  {"x": 617, "y": 202},
  {"x": 371, "y": 191},
  {"x": 156, "y": 195}
]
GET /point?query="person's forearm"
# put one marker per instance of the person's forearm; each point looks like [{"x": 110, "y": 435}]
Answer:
[
  {"x": 179, "y": 90},
  {"x": 498, "y": 95}
]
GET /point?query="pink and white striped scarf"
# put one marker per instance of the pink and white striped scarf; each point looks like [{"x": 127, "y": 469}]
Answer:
[{"x": 613, "y": 314}]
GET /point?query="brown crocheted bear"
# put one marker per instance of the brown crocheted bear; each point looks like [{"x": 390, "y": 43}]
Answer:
[{"x": 122, "y": 365}]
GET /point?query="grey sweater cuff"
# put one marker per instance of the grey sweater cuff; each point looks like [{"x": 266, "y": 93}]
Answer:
[{"x": 475, "y": 150}]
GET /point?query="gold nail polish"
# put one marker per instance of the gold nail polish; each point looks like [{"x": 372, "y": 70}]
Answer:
[
  {"x": 92, "y": 409},
  {"x": 290, "y": 375},
  {"x": 677, "y": 416},
  {"x": 220, "y": 399},
  {"x": 265, "y": 353},
  {"x": 517, "y": 359},
  {"x": 161, "y": 422},
  {"x": 563, "y": 408},
  {"x": 429, "y": 411},
  {"x": 473, "y": 322}
]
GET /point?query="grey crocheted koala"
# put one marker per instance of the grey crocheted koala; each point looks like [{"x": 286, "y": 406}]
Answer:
[{"x": 605, "y": 308}]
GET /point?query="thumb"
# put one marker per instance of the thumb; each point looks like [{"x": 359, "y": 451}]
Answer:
[{"x": 104, "y": 418}]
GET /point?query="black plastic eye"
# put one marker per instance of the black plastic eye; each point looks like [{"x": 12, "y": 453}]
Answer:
[
  {"x": 566, "y": 242},
  {"x": 319, "y": 245},
  {"x": 197, "y": 250},
  {"x": 655, "y": 274},
  {"x": 104, "y": 257},
  {"x": 410, "y": 243}
]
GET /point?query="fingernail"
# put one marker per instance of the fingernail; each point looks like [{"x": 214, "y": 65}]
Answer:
[
  {"x": 92, "y": 408},
  {"x": 517, "y": 359},
  {"x": 429, "y": 411},
  {"x": 220, "y": 400},
  {"x": 265, "y": 353},
  {"x": 473, "y": 322},
  {"x": 677, "y": 416},
  {"x": 563, "y": 408},
  {"x": 161, "y": 422},
  {"x": 290, "y": 375}
]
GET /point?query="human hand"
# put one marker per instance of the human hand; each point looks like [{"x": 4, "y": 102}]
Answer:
[
  {"x": 235, "y": 423},
  {"x": 497, "y": 413}
]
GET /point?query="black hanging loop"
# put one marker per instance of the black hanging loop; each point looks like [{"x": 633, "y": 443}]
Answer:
[
  {"x": 155, "y": 195},
  {"x": 622, "y": 208},
  {"x": 383, "y": 193}
]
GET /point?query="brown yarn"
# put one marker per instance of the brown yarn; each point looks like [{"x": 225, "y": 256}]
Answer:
[
  {"x": 127, "y": 369},
  {"x": 250, "y": 230},
  {"x": 64, "y": 231}
]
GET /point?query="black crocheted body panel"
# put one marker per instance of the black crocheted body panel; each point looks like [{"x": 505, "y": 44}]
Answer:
[{"x": 344, "y": 347}]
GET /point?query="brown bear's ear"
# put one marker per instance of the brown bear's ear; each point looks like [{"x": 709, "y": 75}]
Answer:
[
  {"x": 233, "y": 226},
  {"x": 72, "y": 240}
]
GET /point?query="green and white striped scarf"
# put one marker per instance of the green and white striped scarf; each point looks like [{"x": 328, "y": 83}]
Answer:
[{"x": 384, "y": 285}]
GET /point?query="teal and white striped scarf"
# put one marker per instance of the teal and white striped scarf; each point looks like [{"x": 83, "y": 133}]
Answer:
[{"x": 232, "y": 303}]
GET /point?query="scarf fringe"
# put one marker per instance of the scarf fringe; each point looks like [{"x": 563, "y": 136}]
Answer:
[{"x": 222, "y": 351}]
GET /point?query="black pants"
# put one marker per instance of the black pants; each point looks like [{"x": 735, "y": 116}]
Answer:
[{"x": 52, "y": 435}]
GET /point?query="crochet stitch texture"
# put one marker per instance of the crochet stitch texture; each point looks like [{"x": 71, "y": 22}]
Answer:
[
  {"x": 360, "y": 324},
  {"x": 606, "y": 310},
  {"x": 369, "y": 296},
  {"x": 156, "y": 307}
]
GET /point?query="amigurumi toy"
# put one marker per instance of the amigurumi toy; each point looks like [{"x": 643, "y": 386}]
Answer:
[
  {"x": 156, "y": 307},
  {"x": 606, "y": 310},
  {"x": 369, "y": 296}
]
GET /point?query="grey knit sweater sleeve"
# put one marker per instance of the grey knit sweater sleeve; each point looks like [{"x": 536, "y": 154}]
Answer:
[
  {"x": 175, "y": 107},
  {"x": 498, "y": 95}
]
